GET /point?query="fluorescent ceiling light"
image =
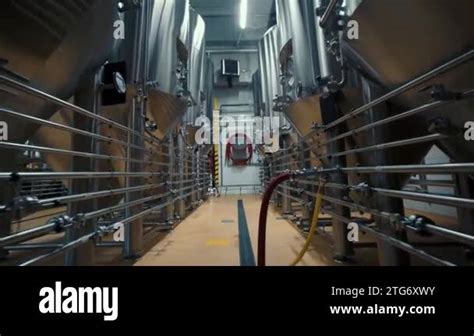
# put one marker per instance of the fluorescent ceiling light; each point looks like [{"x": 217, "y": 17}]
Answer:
[{"x": 243, "y": 13}]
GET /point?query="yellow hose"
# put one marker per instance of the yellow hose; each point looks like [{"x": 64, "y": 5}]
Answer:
[{"x": 314, "y": 225}]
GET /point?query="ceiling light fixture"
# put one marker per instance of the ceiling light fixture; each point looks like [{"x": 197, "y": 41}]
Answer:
[{"x": 243, "y": 13}]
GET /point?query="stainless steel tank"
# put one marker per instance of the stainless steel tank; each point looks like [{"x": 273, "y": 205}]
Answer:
[
  {"x": 297, "y": 55},
  {"x": 262, "y": 64},
  {"x": 299, "y": 61},
  {"x": 407, "y": 38},
  {"x": 200, "y": 109},
  {"x": 58, "y": 42},
  {"x": 204, "y": 84},
  {"x": 165, "y": 24},
  {"x": 195, "y": 80},
  {"x": 257, "y": 93},
  {"x": 209, "y": 87},
  {"x": 165, "y": 106},
  {"x": 272, "y": 90},
  {"x": 184, "y": 39},
  {"x": 196, "y": 64},
  {"x": 268, "y": 53}
]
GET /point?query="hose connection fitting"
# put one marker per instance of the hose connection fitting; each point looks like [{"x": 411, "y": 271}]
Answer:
[
  {"x": 61, "y": 223},
  {"x": 418, "y": 223}
]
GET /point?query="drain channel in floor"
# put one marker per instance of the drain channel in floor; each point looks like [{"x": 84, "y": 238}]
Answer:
[{"x": 247, "y": 257}]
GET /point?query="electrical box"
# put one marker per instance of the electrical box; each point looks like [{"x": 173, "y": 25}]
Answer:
[{"x": 230, "y": 67}]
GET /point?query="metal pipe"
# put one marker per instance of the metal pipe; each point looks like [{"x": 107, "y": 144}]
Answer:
[
  {"x": 66, "y": 247},
  {"x": 447, "y": 233},
  {"x": 405, "y": 87},
  {"x": 62, "y": 127},
  {"x": 39, "y": 217},
  {"x": 98, "y": 194},
  {"x": 422, "y": 197},
  {"x": 328, "y": 13},
  {"x": 296, "y": 199},
  {"x": 109, "y": 245},
  {"x": 403, "y": 115},
  {"x": 448, "y": 200},
  {"x": 357, "y": 207},
  {"x": 411, "y": 169},
  {"x": 400, "y": 143},
  {"x": 451, "y": 234},
  {"x": 27, "y": 234},
  {"x": 407, "y": 247},
  {"x": 28, "y": 247},
  {"x": 298, "y": 191},
  {"x": 98, "y": 213},
  {"x": 85, "y": 239},
  {"x": 437, "y": 199},
  {"x": 323, "y": 57},
  {"x": 395, "y": 242},
  {"x": 15, "y": 146},
  {"x": 27, "y": 176},
  {"x": 153, "y": 209},
  {"x": 52, "y": 99},
  {"x": 440, "y": 183}
]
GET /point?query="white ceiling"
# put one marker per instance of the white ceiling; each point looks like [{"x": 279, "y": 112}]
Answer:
[{"x": 222, "y": 22}]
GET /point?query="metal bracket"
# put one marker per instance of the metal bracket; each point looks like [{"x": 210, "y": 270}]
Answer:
[
  {"x": 418, "y": 223},
  {"x": 438, "y": 92}
]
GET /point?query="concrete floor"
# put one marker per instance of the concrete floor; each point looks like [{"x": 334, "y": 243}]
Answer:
[{"x": 210, "y": 237}]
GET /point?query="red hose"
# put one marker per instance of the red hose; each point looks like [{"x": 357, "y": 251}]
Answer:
[{"x": 262, "y": 222}]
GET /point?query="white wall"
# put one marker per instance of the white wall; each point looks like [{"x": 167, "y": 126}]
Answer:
[
  {"x": 245, "y": 179},
  {"x": 231, "y": 178}
]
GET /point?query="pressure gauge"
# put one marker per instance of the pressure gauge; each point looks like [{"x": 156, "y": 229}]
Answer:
[{"x": 119, "y": 83}]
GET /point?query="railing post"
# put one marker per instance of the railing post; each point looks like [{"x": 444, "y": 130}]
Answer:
[
  {"x": 85, "y": 97},
  {"x": 182, "y": 172},
  {"x": 133, "y": 246},
  {"x": 170, "y": 209},
  {"x": 343, "y": 248}
]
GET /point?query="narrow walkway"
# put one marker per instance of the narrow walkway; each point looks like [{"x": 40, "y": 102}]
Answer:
[{"x": 210, "y": 237}]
